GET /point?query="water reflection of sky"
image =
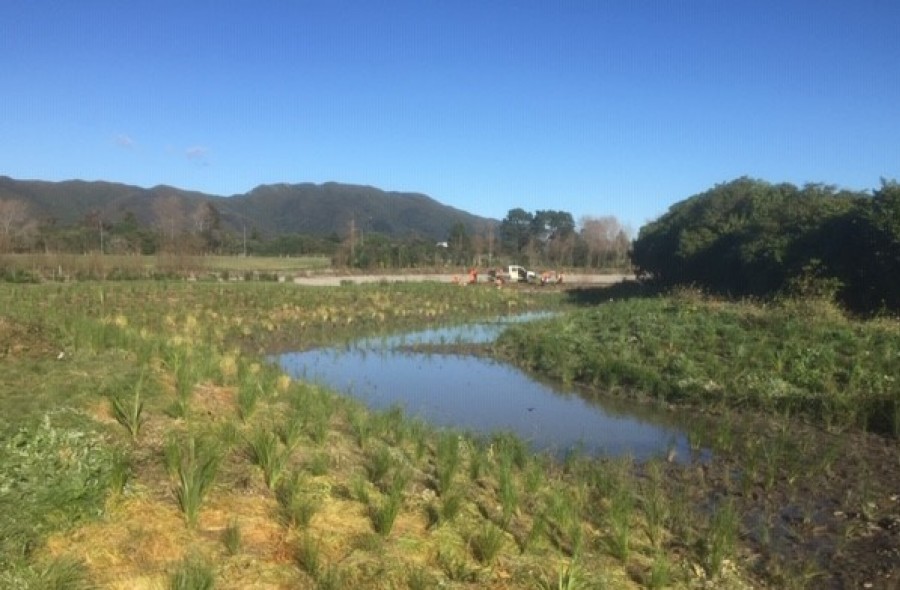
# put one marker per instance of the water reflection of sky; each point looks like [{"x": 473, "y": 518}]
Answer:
[{"x": 476, "y": 394}]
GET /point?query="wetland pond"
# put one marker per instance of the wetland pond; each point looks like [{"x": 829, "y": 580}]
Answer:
[{"x": 484, "y": 396}]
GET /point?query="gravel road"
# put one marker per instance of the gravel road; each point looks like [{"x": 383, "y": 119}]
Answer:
[{"x": 334, "y": 280}]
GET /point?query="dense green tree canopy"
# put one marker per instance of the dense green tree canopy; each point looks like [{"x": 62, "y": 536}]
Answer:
[{"x": 752, "y": 237}]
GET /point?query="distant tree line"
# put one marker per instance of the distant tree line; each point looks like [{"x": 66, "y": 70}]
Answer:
[
  {"x": 541, "y": 239},
  {"x": 552, "y": 238},
  {"x": 749, "y": 237}
]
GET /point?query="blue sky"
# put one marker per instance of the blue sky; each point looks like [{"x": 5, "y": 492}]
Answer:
[{"x": 592, "y": 107}]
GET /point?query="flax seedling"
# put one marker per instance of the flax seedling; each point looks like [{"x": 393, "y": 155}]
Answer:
[
  {"x": 487, "y": 543},
  {"x": 308, "y": 556},
  {"x": 565, "y": 519},
  {"x": 291, "y": 430},
  {"x": 418, "y": 578},
  {"x": 359, "y": 488},
  {"x": 266, "y": 451},
  {"x": 360, "y": 426},
  {"x": 379, "y": 464},
  {"x": 660, "y": 572},
  {"x": 447, "y": 460},
  {"x": 385, "y": 513},
  {"x": 446, "y": 510},
  {"x": 720, "y": 538},
  {"x": 296, "y": 505},
  {"x": 231, "y": 538},
  {"x": 619, "y": 521},
  {"x": 248, "y": 396},
  {"x": 419, "y": 431},
  {"x": 197, "y": 470},
  {"x": 331, "y": 578},
  {"x": 478, "y": 460},
  {"x": 455, "y": 567},
  {"x": 450, "y": 506},
  {"x": 192, "y": 573},
  {"x": 319, "y": 464},
  {"x": 319, "y": 419},
  {"x": 568, "y": 578},
  {"x": 130, "y": 414},
  {"x": 655, "y": 505},
  {"x": 509, "y": 495}
]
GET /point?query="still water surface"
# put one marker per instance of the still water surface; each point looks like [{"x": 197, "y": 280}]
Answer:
[{"x": 482, "y": 395}]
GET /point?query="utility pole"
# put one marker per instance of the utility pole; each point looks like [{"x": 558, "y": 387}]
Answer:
[
  {"x": 352, "y": 238},
  {"x": 490, "y": 241},
  {"x": 244, "y": 224}
]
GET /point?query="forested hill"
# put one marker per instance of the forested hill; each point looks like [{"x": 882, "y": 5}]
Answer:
[{"x": 318, "y": 209}]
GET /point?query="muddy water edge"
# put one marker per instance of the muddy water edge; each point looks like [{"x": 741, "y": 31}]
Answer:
[{"x": 816, "y": 508}]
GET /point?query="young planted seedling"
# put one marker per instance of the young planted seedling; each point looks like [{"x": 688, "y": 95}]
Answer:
[
  {"x": 192, "y": 573},
  {"x": 130, "y": 413},
  {"x": 231, "y": 537},
  {"x": 197, "y": 469},
  {"x": 487, "y": 543}
]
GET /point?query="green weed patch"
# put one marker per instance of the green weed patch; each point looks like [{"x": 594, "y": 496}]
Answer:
[{"x": 793, "y": 358}]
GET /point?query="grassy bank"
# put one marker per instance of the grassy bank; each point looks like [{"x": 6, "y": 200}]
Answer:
[{"x": 794, "y": 358}]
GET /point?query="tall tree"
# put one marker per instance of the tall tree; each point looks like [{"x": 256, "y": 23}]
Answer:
[
  {"x": 553, "y": 233},
  {"x": 515, "y": 231},
  {"x": 606, "y": 240},
  {"x": 14, "y": 221},
  {"x": 460, "y": 243},
  {"x": 170, "y": 217},
  {"x": 208, "y": 225}
]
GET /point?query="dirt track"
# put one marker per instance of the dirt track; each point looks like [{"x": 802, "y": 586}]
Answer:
[{"x": 334, "y": 280}]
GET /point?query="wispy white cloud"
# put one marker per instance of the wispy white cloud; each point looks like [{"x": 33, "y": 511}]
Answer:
[
  {"x": 124, "y": 141},
  {"x": 196, "y": 152}
]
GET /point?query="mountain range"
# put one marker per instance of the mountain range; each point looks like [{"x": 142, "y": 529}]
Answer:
[{"x": 272, "y": 209}]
